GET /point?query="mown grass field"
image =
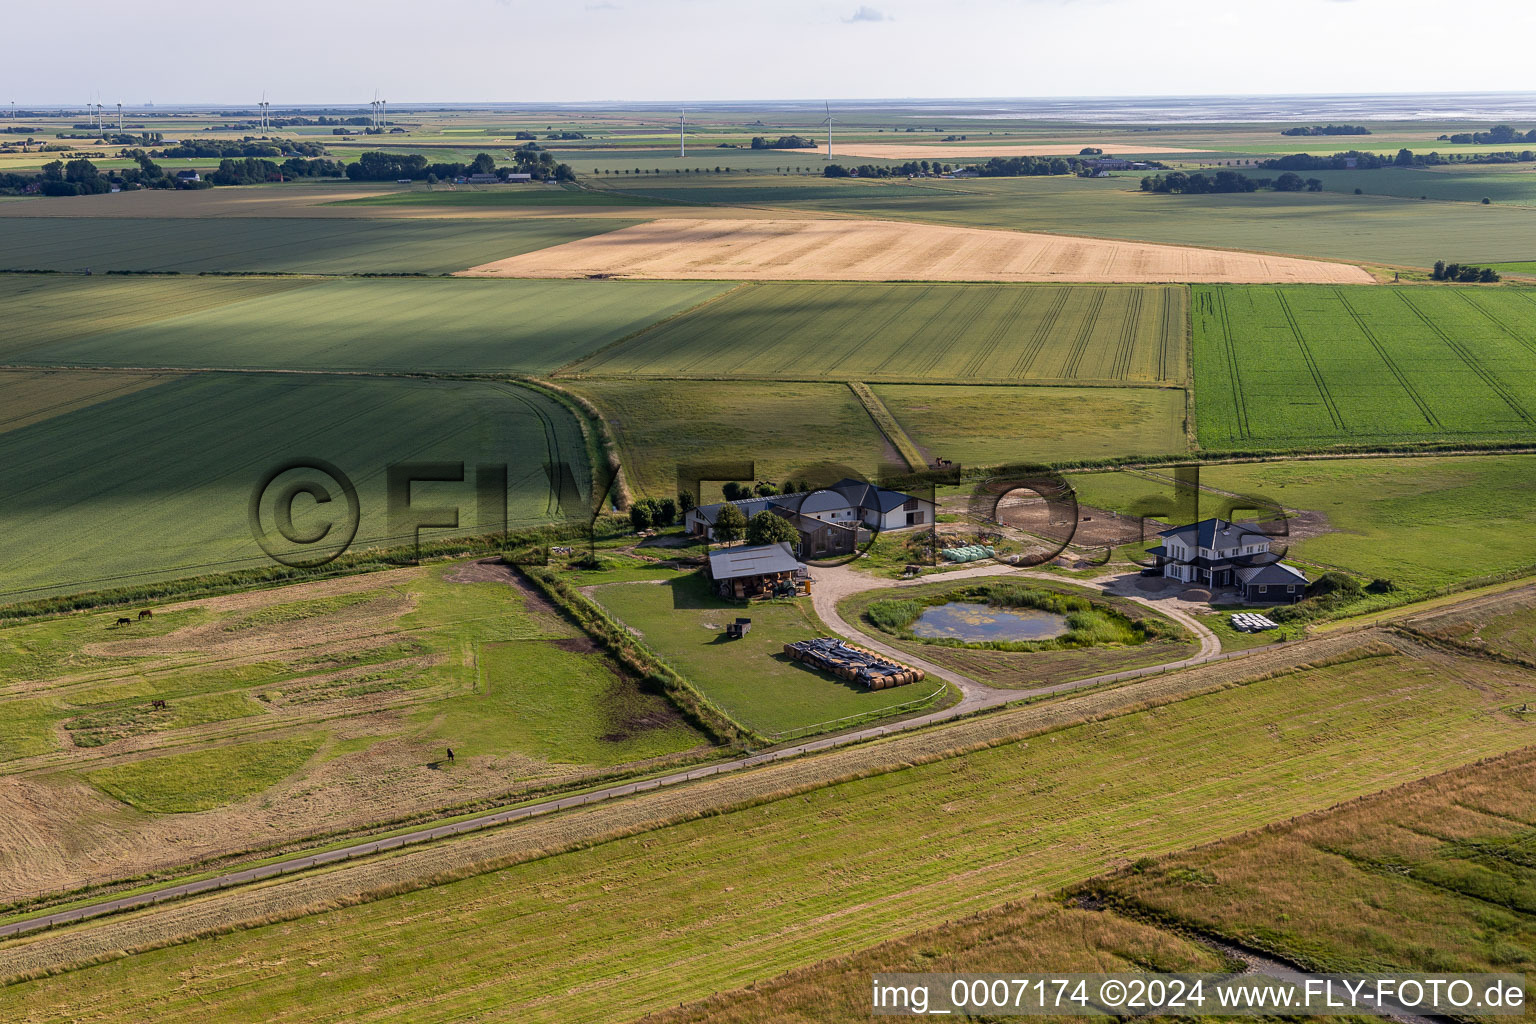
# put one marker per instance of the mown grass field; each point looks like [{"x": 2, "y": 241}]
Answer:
[
  {"x": 299, "y": 710},
  {"x": 1420, "y": 522},
  {"x": 1433, "y": 876},
  {"x": 395, "y": 325},
  {"x": 784, "y": 428},
  {"x": 750, "y": 679},
  {"x": 633, "y": 922},
  {"x": 1278, "y": 366},
  {"x": 276, "y": 245},
  {"x": 156, "y": 483},
  {"x": 914, "y": 332},
  {"x": 997, "y": 425}
]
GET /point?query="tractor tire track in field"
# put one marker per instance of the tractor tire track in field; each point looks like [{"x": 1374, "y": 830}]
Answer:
[
  {"x": 1397, "y": 372},
  {"x": 1163, "y": 371},
  {"x": 1496, "y": 321},
  {"x": 1312, "y": 367},
  {"x": 1042, "y": 334},
  {"x": 1084, "y": 335},
  {"x": 995, "y": 337},
  {"x": 878, "y": 332},
  {"x": 1218, "y": 302},
  {"x": 1486, "y": 375},
  {"x": 1120, "y": 369}
]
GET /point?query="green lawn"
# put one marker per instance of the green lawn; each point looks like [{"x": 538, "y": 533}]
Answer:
[
  {"x": 392, "y": 325},
  {"x": 599, "y": 933},
  {"x": 1293, "y": 366},
  {"x": 205, "y": 779},
  {"x": 156, "y": 483},
  {"x": 303, "y": 245},
  {"x": 1421, "y": 523},
  {"x": 994, "y": 426},
  {"x": 562, "y": 707},
  {"x": 750, "y": 678},
  {"x": 914, "y": 332}
]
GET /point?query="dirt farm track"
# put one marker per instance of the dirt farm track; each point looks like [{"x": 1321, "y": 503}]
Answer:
[{"x": 873, "y": 250}]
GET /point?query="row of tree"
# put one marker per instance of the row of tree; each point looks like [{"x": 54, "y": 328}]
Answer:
[
  {"x": 783, "y": 142},
  {"x": 1357, "y": 160},
  {"x": 207, "y": 149},
  {"x": 374, "y": 166},
  {"x": 1463, "y": 273},
  {"x": 1497, "y": 135},
  {"x": 252, "y": 170},
  {"x": 1328, "y": 129},
  {"x": 1198, "y": 183}
]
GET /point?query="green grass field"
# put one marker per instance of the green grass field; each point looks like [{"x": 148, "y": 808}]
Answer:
[
  {"x": 1525, "y": 267},
  {"x": 750, "y": 678},
  {"x": 915, "y": 332},
  {"x": 204, "y": 779},
  {"x": 750, "y": 894},
  {"x": 303, "y": 245},
  {"x": 1277, "y": 366},
  {"x": 396, "y": 325},
  {"x": 783, "y": 427},
  {"x": 156, "y": 483},
  {"x": 1422, "y": 523},
  {"x": 994, "y": 426},
  {"x": 1501, "y": 183}
]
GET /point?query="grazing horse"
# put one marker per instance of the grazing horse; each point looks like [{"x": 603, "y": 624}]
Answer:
[
  {"x": 124, "y": 621},
  {"x": 146, "y": 614},
  {"x": 158, "y": 705},
  {"x": 450, "y": 753}
]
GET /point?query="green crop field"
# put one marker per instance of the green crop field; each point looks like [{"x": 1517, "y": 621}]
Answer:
[
  {"x": 750, "y": 679},
  {"x": 402, "y": 324},
  {"x": 1501, "y": 183},
  {"x": 1526, "y": 268},
  {"x": 1406, "y": 520},
  {"x": 752, "y": 893},
  {"x": 912, "y": 332},
  {"x": 156, "y": 482},
  {"x": 500, "y": 196},
  {"x": 1278, "y": 366},
  {"x": 303, "y": 245},
  {"x": 998, "y": 425},
  {"x": 784, "y": 428}
]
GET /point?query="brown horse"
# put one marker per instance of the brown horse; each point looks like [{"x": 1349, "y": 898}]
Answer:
[{"x": 146, "y": 614}]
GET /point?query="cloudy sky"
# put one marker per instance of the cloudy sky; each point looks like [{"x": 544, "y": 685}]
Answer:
[{"x": 669, "y": 50}]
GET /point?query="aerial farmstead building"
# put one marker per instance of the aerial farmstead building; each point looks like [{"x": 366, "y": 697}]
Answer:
[
  {"x": 763, "y": 571},
  {"x": 829, "y": 520},
  {"x": 1220, "y": 553}
]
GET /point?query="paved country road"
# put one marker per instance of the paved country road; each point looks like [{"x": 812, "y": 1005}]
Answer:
[{"x": 832, "y": 585}]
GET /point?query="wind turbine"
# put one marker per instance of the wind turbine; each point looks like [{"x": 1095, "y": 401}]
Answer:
[
  {"x": 828, "y": 123},
  {"x": 119, "y": 117},
  {"x": 682, "y": 129}
]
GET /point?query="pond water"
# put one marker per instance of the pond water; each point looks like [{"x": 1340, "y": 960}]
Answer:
[{"x": 977, "y": 623}]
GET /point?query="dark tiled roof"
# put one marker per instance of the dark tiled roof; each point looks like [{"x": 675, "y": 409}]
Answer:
[
  {"x": 1205, "y": 533},
  {"x": 1271, "y": 574}
]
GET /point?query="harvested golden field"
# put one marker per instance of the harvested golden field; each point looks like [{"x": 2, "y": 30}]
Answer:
[
  {"x": 871, "y": 250},
  {"x": 948, "y": 151}
]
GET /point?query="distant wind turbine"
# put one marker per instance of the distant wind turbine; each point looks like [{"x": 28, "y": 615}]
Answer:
[
  {"x": 682, "y": 133},
  {"x": 828, "y": 123}
]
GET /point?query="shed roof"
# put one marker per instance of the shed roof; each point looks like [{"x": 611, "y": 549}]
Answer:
[{"x": 734, "y": 563}]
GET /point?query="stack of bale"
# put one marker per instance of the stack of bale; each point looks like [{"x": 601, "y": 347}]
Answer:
[{"x": 846, "y": 661}]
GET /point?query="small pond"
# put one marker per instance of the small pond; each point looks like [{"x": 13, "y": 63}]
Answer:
[{"x": 973, "y": 622}]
